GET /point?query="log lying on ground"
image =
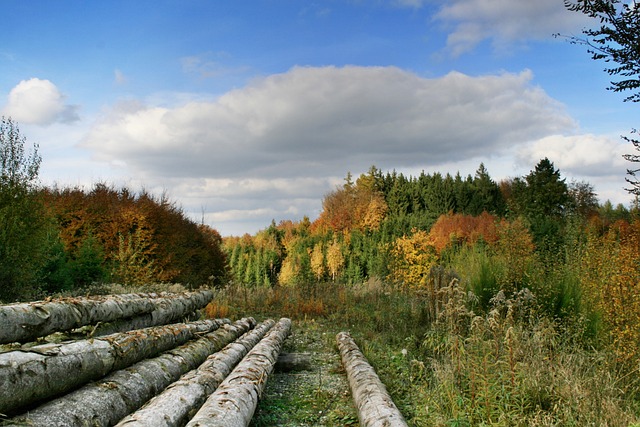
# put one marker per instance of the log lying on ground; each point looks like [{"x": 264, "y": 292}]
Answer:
[
  {"x": 45, "y": 371},
  {"x": 27, "y": 321},
  {"x": 375, "y": 407},
  {"x": 105, "y": 402},
  {"x": 235, "y": 400},
  {"x": 181, "y": 399},
  {"x": 289, "y": 362},
  {"x": 167, "y": 310}
]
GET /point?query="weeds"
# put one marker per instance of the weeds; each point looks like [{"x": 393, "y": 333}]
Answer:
[{"x": 508, "y": 365}]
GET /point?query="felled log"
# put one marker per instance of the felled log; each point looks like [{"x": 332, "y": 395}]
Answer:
[
  {"x": 289, "y": 362},
  {"x": 48, "y": 370},
  {"x": 166, "y": 310},
  {"x": 235, "y": 400},
  {"x": 173, "y": 406},
  {"x": 375, "y": 406},
  {"x": 105, "y": 402},
  {"x": 26, "y": 321}
]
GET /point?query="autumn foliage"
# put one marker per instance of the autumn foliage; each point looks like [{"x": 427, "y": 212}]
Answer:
[
  {"x": 456, "y": 229},
  {"x": 137, "y": 237}
]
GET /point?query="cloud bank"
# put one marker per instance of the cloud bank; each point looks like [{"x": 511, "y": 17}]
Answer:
[
  {"x": 275, "y": 147},
  {"x": 315, "y": 121}
]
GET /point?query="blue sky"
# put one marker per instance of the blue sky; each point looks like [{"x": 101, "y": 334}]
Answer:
[{"x": 248, "y": 111}]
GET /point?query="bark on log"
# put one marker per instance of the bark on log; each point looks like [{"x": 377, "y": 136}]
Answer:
[
  {"x": 105, "y": 402},
  {"x": 45, "y": 371},
  {"x": 375, "y": 406},
  {"x": 167, "y": 310},
  {"x": 180, "y": 400},
  {"x": 26, "y": 321},
  {"x": 235, "y": 400}
]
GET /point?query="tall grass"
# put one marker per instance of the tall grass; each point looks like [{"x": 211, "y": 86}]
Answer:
[{"x": 507, "y": 363}]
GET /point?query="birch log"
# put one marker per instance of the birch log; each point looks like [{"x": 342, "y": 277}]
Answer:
[
  {"x": 105, "y": 402},
  {"x": 183, "y": 398},
  {"x": 27, "y": 321},
  {"x": 375, "y": 407},
  {"x": 166, "y": 310},
  {"x": 45, "y": 371},
  {"x": 235, "y": 400}
]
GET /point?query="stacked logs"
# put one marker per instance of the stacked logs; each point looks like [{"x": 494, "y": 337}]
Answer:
[{"x": 151, "y": 372}]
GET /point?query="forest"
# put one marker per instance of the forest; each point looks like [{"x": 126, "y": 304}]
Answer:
[
  {"x": 57, "y": 240},
  {"x": 496, "y": 286}
]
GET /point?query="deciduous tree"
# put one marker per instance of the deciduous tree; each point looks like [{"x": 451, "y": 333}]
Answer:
[{"x": 23, "y": 220}]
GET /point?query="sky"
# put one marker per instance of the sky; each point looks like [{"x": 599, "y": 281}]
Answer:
[{"x": 243, "y": 112}]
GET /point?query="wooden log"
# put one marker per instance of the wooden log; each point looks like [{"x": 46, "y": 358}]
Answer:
[
  {"x": 235, "y": 400},
  {"x": 183, "y": 398},
  {"x": 105, "y": 402},
  {"x": 26, "y": 321},
  {"x": 375, "y": 406},
  {"x": 289, "y": 362},
  {"x": 45, "y": 371},
  {"x": 167, "y": 310}
]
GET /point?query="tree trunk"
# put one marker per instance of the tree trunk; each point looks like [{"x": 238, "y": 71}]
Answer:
[
  {"x": 167, "y": 310},
  {"x": 289, "y": 362},
  {"x": 235, "y": 400},
  {"x": 375, "y": 407},
  {"x": 105, "y": 402},
  {"x": 180, "y": 400},
  {"x": 44, "y": 371},
  {"x": 27, "y": 321}
]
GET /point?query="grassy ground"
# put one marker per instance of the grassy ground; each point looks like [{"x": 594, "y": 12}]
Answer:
[
  {"x": 443, "y": 364},
  {"x": 318, "y": 396}
]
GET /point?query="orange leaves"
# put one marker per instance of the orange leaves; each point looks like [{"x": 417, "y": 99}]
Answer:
[
  {"x": 460, "y": 228},
  {"x": 352, "y": 207}
]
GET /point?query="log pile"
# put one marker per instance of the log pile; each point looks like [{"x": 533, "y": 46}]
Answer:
[
  {"x": 141, "y": 363},
  {"x": 136, "y": 367}
]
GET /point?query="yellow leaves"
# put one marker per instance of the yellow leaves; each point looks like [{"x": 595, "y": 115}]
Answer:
[
  {"x": 335, "y": 259},
  {"x": 515, "y": 246},
  {"x": 412, "y": 258},
  {"x": 317, "y": 261},
  {"x": 611, "y": 284}
]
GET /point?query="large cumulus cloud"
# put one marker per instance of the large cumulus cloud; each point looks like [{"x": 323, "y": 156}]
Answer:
[
  {"x": 322, "y": 121},
  {"x": 272, "y": 149}
]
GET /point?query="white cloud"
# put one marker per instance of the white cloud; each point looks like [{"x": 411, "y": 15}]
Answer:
[
  {"x": 278, "y": 145},
  {"x": 315, "y": 121},
  {"x": 505, "y": 22},
  {"x": 578, "y": 155},
  {"x": 39, "y": 102}
]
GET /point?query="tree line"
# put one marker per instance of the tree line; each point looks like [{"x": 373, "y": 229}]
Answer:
[
  {"x": 64, "y": 239},
  {"x": 353, "y": 238}
]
